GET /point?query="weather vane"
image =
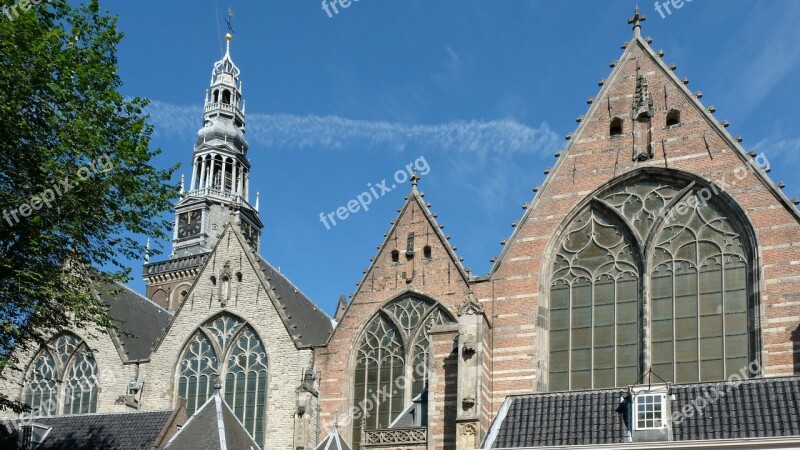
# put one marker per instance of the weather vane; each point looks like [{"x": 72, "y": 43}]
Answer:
[{"x": 229, "y": 19}]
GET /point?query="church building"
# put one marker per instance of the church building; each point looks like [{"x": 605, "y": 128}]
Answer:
[{"x": 648, "y": 298}]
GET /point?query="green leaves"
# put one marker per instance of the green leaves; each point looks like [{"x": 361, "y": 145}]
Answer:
[{"x": 62, "y": 115}]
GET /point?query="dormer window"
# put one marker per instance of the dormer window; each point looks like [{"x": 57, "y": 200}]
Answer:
[
  {"x": 673, "y": 118},
  {"x": 615, "y": 129},
  {"x": 650, "y": 411}
]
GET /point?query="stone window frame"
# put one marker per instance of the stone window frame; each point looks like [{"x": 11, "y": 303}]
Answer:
[
  {"x": 736, "y": 214},
  {"x": 63, "y": 352},
  {"x": 224, "y": 342},
  {"x": 409, "y": 342}
]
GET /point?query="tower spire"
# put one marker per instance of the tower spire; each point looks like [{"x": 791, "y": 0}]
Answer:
[
  {"x": 636, "y": 21},
  {"x": 218, "y": 193}
]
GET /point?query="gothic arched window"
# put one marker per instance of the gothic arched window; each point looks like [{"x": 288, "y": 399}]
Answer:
[
  {"x": 694, "y": 318},
  {"x": 242, "y": 378},
  {"x": 62, "y": 379},
  {"x": 392, "y": 360}
]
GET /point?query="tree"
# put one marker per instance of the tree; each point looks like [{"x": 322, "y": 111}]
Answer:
[{"x": 77, "y": 187}]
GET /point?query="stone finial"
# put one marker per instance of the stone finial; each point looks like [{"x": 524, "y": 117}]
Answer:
[
  {"x": 636, "y": 21},
  {"x": 470, "y": 306},
  {"x": 414, "y": 181}
]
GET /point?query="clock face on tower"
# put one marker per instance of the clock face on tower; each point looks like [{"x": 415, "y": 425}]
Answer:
[{"x": 189, "y": 224}]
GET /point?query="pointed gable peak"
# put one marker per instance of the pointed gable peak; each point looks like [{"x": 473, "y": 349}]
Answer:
[{"x": 414, "y": 222}]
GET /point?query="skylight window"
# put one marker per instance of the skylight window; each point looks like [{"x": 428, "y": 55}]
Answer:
[{"x": 650, "y": 410}]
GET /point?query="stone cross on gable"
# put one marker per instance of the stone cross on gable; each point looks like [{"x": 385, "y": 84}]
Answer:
[{"x": 636, "y": 21}]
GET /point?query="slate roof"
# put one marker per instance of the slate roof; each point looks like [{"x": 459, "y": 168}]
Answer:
[
  {"x": 142, "y": 318},
  {"x": 202, "y": 431},
  {"x": 129, "y": 431},
  {"x": 308, "y": 324},
  {"x": 758, "y": 408}
]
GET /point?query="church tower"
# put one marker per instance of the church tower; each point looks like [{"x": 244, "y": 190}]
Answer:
[
  {"x": 220, "y": 183},
  {"x": 219, "y": 190}
]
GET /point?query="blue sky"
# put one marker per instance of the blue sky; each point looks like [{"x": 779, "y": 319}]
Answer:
[{"x": 484, "y": 91}]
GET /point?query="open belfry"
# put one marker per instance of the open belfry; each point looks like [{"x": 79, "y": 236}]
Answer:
[{"x": 647, "y": 298}]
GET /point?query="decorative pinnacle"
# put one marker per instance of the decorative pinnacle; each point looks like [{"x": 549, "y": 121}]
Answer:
[
  {"x": 636, "y": 21},
  {"x": 414, "y": 181}
]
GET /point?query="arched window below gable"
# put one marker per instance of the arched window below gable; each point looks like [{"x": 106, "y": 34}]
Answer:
[
  {"x": 62, "y": 379},
  {"x": 227, "y": 354}
]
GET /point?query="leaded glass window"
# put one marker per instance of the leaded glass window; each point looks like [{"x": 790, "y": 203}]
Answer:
[
  {"x": 393, "y": 350},
  {"x": 62, "y": 378},
  {"x": 692, "y": 320},
  {"x": 699, "y": 295},
  {"x": 594, "y": 307},
  {"x": 226, "y": 353}
]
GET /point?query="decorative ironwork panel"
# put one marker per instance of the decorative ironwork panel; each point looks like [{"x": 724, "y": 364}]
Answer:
[{"x": 395, "y": 436}]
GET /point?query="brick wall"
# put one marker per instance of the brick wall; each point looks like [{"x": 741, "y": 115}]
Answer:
[
  {"x": 439, "y": 278},
  {"x": 517, "y": 287}
]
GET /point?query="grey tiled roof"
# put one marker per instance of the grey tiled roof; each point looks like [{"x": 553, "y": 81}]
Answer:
[
  {"x": 563, "y": 418},
  {"x": 140, "y": 317},
  {"x": 308, "y": 324},
  {"x": 202, "y": 430},
  {"x": 131, "y": 431},
  {"x": 758, "y": 408}
]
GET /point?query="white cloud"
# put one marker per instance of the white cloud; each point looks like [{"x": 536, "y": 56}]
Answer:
[
  {"x": 787, "y": 151},
  {"x": 284, "y": 131}
]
